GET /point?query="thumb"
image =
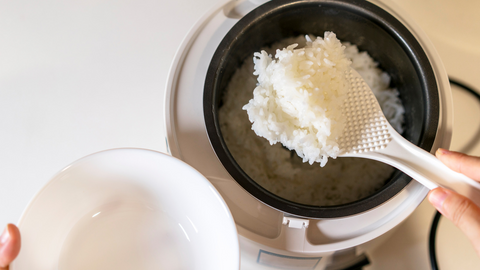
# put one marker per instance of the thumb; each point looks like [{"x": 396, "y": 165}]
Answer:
[
  {"x": 460, "y": 210},
  {"x": 9, "y": 245}
]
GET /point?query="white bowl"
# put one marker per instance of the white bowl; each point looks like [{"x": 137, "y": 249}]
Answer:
[{"x": 128, "y": 209}]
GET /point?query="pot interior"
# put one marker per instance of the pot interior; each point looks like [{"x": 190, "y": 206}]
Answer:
[{"x": 359, "y": 22}]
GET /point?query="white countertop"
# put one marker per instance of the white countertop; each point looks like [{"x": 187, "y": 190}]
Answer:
[{"x": 78, "y": 77}]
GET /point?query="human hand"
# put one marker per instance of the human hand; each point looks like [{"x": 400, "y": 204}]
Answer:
[
  {"x": 9, "y": 245},
  {"x": 455, "y": 207}
]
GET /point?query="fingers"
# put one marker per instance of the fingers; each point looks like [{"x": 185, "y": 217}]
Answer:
[
  {"x": 465, "y": 164},
  {"x": 461, "y": 211},
  {"x": 9, "y": 245}
]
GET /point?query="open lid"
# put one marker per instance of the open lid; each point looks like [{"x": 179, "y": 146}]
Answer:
[{"x": 128, "y": 209}]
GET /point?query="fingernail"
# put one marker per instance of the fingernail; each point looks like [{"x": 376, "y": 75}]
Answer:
[
  {"x": 437, "y": 196},
  {"x": 442, "y": 151},
  {"x": 5, "y": 236}
]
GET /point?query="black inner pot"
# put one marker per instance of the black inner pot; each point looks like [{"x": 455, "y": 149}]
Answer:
[{"x": 362, "y": 23}]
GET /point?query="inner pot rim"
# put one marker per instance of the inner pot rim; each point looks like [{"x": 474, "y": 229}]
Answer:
[{"x": 388, "y": 23}]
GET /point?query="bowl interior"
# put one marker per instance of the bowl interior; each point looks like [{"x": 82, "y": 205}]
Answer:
[
  {"x": 128, "y": 209},
  {"x": 359, "y": 22}
]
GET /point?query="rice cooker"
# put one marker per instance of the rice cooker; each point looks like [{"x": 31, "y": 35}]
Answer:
[{"x": 275, "y": 233}]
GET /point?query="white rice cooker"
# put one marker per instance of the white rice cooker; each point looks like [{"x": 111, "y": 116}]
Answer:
[{"x": 275, "y": 235}]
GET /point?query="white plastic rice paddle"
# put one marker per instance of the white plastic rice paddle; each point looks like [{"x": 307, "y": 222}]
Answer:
[{"x": 368, "y": 134}]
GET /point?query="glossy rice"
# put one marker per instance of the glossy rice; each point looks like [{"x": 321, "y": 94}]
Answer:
[
  {"x": 282, "y": 172},
  {"x": 299, "y": 97}
]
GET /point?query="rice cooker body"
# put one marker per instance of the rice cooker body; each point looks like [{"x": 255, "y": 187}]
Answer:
[{"x": 359, "y": 22}]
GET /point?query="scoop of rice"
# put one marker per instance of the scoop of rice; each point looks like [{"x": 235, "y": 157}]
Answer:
[{"x": 299, "y": 96}]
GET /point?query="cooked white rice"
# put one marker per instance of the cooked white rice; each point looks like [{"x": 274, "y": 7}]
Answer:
[
  {"x": 273, "y": 167},
  {"x": 299, "y": 97}
]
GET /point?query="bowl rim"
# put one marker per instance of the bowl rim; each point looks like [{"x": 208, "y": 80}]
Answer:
[{"x": 103, "y": 161}]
